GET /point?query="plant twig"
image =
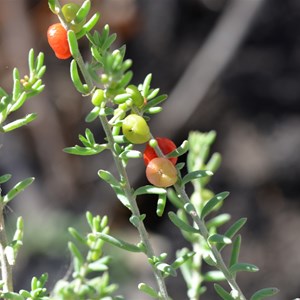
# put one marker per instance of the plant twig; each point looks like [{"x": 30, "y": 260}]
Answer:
[
  {"x": 126, "y": 185},
  {"x": 204, "y": 232},
  {"x": 6, "y": 268}
]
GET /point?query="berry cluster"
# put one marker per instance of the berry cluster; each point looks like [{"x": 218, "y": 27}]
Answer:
[{"x": 160, "y": 171}]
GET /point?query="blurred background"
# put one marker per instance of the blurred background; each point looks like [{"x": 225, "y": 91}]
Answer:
[{"x": 230, "y": 66}]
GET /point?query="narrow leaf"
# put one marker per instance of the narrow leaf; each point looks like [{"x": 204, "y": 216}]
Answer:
[
  {"x": 222, "y": 293},
  {"x": 218, "y": 238},
  {"x": 235, "y": 227},
  {"x": 118, "y": 243},
  {"x": 166, "y": 269},
  {"x": 195, "y": 175},
  {"x": 210, "y": 205},
  {"x": 18, "y": 188},
  {"x": 145, "y": 288},
  {"x": 181, "y": 224},
  {"x": 154, "y": 102},
  {"x": 75, "y": 252},
  {"x": 161, "y": 204},
  {"x": 264, "y": 293},
  {"x": 149, "y": 189},
  {"x": 130, "y": 154},
  {"x": 243, "y": 267},
  {"x": 183, "y": 148},
  {"x": 146, "y": 85},
  {"x": 235, "y": 252},
  {"x": 108, "y": 177},
  {"x": 81, "y": 88},
  {"x": 93, "y": 114},
  {"x": 20, "y": 122},
  {"x": 83, "y": 11},
  {"x": 77, "y": 235},
  {"x": 4, "y": 178},
  {"x": 218, "y": 221},
  {"x": 212, "y": 276},
  {"x": 182, "y": 259}
]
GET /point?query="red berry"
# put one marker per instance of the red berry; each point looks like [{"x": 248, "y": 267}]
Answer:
[
  {"x": 58, "y": 41},
  {"x": 161, "y": 172},
  {"x": 166, "y": 145}
]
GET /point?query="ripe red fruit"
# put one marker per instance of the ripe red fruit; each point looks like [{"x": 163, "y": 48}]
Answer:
[
  {"x": 166, "y": 145},
  {"x": 58, "y": 41},
  {"x": 161, "y": 172}
]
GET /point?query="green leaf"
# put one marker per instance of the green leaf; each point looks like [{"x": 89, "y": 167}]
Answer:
[
  {"x": 130, "y": 154},
  {"x": 145, "y": 288},
  {"x": 182, "y": 259},
  {"x": 243, "y": 267},
  {"x": 97, "y": 266},
  {"x": 75, "y": 252},
  {"x": 93, "y": 114},
  {"x": 264, "y": 293},
  {"x": 19, "y": 102},
  {"x": 209, "y": 258},
  {"x": 195, "y": 175},
  {"x": 4, "y": 178},
  {"x": 109, "y": 41},
  {"x": 166, "y": 269},
  {"x": 153, "y": 110},
  {"x": 18, "y": 188},
  {"x": 174, "y": 198},
  {"x": 222, "y": 293},
  {"x": 118, "y": 243},
  {"x": 181, "y": 224},
  {"x": 146, "y": 85},
  {"x": 210, "y": 205},
  {"x": 83, "y": 11},
  {"x": 81, "y": 88},
  {"x": 125, "y": 80},
  {"x": 153, "y": 93},
  {"x": 73, "y": 44},
  {"x": 154, "y": 102},
  {"x": 20, "y": 122},
  {"x": 25, "y": 294},
  {"x": 235, "y": 227},
  {"x": 53, "y": 7},
  {"x": 108, "y": 177},
  {"x": 136, "y": 221},
  {"x": 89, "y": 25},
  {"x": 77, "y": 235},
  {"x": 212, "y": 276},
  {"x": 84, "y": 151},
  {"x": 218, "y": 221},
  {"x": 183, "y": 148},
  {"x": 12, "y": 295},
  {"x": 235, "y": 252},
  {"x": 161, "y": 204},
  {"x": 149, "y": 189},
  {"x": 90, "y": 137},
  {"x": 218, "y": 238}
]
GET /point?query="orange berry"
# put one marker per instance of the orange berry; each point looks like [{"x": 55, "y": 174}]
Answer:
[
  {"x": 58, "y": 41},
  {"x": 161, "y": 172}
]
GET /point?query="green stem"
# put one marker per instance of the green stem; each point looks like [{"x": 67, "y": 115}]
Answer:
[
  {"x": 133, "y": 207},
  {"x": 6, "y": 268},
  {"x": 220, "y": 264},
  {"x": 126, "y": 185}
]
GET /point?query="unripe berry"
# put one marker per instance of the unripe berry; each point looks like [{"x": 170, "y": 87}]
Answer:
[{"x": 136, "y": 129}]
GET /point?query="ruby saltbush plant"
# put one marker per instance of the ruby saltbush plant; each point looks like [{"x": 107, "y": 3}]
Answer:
[{"x": 123, "y": 110}]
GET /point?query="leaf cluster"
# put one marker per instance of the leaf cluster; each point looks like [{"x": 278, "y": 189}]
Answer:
[{"x": 23, "y": 89}]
